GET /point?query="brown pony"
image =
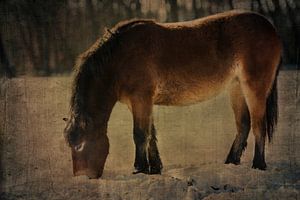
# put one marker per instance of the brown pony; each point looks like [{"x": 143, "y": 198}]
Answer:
[{"x": 142, "y": 63}]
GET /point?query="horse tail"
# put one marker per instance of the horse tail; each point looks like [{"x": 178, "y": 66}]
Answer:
[{"x": 272, "y": 107}]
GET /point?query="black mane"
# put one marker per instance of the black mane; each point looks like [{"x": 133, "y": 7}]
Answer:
[{"x": 93, "y": 64}]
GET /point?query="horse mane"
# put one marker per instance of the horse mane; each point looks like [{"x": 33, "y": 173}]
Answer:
[{"x": 94, "y": 63}]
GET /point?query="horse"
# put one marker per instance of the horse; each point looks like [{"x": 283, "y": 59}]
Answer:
[{"x": 142, "y": 63}]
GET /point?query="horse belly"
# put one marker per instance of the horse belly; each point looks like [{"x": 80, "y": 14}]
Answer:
[{"x": 180, "y": 94}]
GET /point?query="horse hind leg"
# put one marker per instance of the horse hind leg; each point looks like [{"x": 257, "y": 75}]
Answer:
[
  {"x": 257, "y": 107},
  {"x": 260, "y": 91},
  {"x": 257, "y": 93},
  {"x": 242, "y": 118}
]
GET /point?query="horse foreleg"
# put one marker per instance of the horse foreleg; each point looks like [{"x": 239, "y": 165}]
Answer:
[
  {"x": 141, "y": 164},
  {"x": 142, "y": 111},
  {"x": 153, "y": 154},
  {"x": 242, "y": 119}
]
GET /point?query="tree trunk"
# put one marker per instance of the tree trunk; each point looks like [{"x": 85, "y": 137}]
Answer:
[
  {"x": 27, "y": 41},
  {"x": 173, "y": 11},
  {"x": 138, "y": 8},
  {"x": 45, "y": 50},
  {"x": 231, "y": 4},
  {"x": 295, "y": 29},
  {"x": 91, "y": 16},
  {"x": 9, "y": 70},
  {"x": 196, "y": 13}
]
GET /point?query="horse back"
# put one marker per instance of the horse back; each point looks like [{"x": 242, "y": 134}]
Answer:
[{"x": 188, "y": 62}]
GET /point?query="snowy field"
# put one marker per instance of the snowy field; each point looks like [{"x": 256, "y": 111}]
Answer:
[{"x": 193, "y": 142}]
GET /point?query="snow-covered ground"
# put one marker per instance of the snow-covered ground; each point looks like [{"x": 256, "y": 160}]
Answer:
[{"x": 193, "y": 141}]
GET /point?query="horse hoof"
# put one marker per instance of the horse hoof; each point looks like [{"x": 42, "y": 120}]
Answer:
[
  {"x": 232, "y": 161},
  {"x": 155, "y": 171},
  {"x": 262, "y": 166},
  {"x": 141, "y": 171}
]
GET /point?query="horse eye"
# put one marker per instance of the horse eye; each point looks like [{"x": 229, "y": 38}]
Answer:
[{"x": 79, "y": 147}]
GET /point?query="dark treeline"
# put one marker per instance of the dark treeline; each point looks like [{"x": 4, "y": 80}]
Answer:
[{"x": 40, "y": 37}]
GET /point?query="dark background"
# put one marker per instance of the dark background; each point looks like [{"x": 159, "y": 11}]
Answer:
[{"x": 43, "y": 38}]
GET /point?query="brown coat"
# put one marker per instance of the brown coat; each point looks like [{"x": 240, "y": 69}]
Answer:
[{"x": 142, "y": 63}]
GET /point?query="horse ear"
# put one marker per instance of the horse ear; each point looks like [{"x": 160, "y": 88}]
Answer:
[
  {"x": 65, "y": 119},
  {"x": 111, "y": 32}
]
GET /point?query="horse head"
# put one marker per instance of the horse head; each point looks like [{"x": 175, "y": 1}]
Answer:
[{"x": 89, "y": 146}]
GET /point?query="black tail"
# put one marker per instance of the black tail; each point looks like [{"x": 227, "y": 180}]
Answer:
[{"x": 272, "y": 108}]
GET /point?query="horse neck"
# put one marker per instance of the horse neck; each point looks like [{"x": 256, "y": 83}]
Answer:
[
  {"x": 95, "y": 85},
  {"x": 99, "y": 103}
]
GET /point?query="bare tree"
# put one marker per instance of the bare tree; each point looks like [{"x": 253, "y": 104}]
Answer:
[
  {"x": 173, "y": 11},
  {"x": 230, "y": 2},
  {"x": 138, "y": 7},
  {"x": 295, "y": 28},
  {"x": 9, "y": 70},
  {"x": 195, "y": 9},
  {"x": 91, "y": 17},
  {"x": 45, "y": 36}
]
